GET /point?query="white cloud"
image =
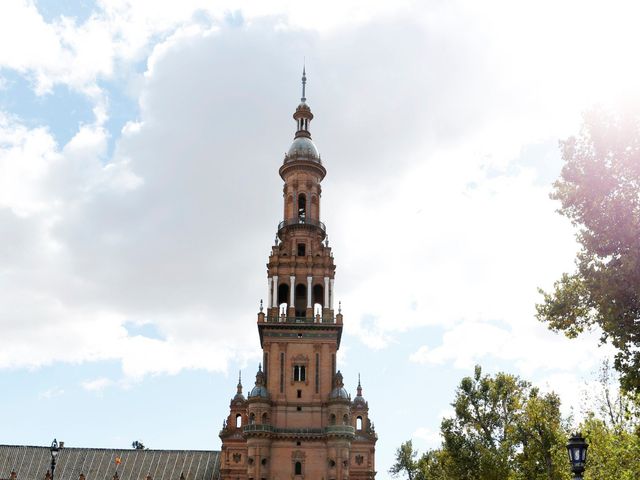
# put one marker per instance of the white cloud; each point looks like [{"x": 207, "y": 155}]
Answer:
[
  {"x": 435, "y": 215},
  {"x": 529, "y": 347},
  {"x": 97, "y": 385},
  {"x": 427, "y": 437},
  {"x": 51, "y": 393}
]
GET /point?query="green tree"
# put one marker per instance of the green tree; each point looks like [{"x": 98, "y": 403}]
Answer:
[
  {"x": 405, "y": 461},
  {"x": 482, "y": 434},
  {"x": 503, "y": 429},
  {"x": 432, "y": 465},
  {"x": 542, "y": 438},
  {"x": 612, "y": 429},
  {"x": 599, "y": 191},
  {"x": 618, "y": 409},
  {"x": 614, "y": 454}
]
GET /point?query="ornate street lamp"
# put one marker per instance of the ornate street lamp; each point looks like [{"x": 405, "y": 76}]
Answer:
[
  {"x": 577, "y": 449},
  {"x": 54, "y": 449}
]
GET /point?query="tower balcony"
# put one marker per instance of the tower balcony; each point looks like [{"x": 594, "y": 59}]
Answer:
[
  {"x": 270, "y": 430},
  {"x": 302, "y": 222},
  {"x": 298, "y": 320}
]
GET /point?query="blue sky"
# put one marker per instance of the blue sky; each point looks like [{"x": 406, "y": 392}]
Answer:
[{"x": 139, "y": 196}]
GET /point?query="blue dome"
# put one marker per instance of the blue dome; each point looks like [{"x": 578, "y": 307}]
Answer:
[
  {"x": 259, "y": 391},
  {"x": 339, "y": 392},
  {"x": 303, "y": 147}
]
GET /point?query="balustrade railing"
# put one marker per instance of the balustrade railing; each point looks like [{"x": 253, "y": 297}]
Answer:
[
  {"x": 331, "y": 429},
  {"x": 284, "y": 319},
  {"x": 302, "y": 221},
  {"x": 348, "y": 429}
]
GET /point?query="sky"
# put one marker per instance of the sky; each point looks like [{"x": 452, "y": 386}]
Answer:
[{"x": 139, "y": 196}]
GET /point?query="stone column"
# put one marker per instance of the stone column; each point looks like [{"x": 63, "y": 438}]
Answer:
[
  {"x": 292, "y": 290},
  {"x": 275, "y": 292},
  {"x": 270, "y": 293},
  {"x": 331, "y": 294},
  {"x": 326, "y": 292}
]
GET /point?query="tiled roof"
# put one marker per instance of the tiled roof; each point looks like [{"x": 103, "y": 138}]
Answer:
[{"x": 32, "y": 463}]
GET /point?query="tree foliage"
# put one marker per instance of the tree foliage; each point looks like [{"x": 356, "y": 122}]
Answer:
[
  {"x": 405, "y": 461},
  {"x": 599, "y": 191},
  {"x": 613, "y": 454},
  {"x": 505, "y": 429}
]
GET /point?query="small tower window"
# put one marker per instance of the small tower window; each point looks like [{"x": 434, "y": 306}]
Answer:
[
  {"x": 345, "y": 419},
  {"x": 265, "y": 418},
  {"x": 302, "y": 207},
  {"x": 252, "y": 418},
  {"x": 299, "y": 373},
  {"x": 301, "y": 250},
  {"x": 298, "y": 468},
  {"x": 238, "y": 421},
  {"x": 359, "y": 423}
]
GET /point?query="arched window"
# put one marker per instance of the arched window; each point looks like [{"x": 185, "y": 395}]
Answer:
[
  {"x": 252, "y": 418},
  {"x": 302, "y": 207},
  {"x": 359, "y": 423},
  {"x": 345, "y": 419},
  {"x": 318, "y": 295},
  {"x": 332, "y": 419},
  {"x": 238, "y": 421},
  {"x": 301, "y": 300},
  {"x": 283, "y": 293},
  {"x": 265, "y": 418},
  {"x": 298, "y": 468}
]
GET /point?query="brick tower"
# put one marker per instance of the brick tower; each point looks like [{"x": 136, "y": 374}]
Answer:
[{"x": 298, "y": 421}]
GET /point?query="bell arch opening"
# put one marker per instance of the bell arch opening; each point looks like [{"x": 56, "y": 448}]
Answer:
[
  {"x": 283, "y": 296},
  {"x": 318, "y": 295},
  {"x": 301, "y": 300},
  {"x": 302, "y": 207}
]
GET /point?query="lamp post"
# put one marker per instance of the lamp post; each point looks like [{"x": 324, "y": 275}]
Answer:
[
  {"x": 54, "y": 449},
  {"x": 577, "y": 449}
]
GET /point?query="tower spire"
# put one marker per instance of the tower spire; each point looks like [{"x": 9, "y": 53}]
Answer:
[
  {"x": 303, "y": 99},
  {"x": 239, "y": 382}
]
